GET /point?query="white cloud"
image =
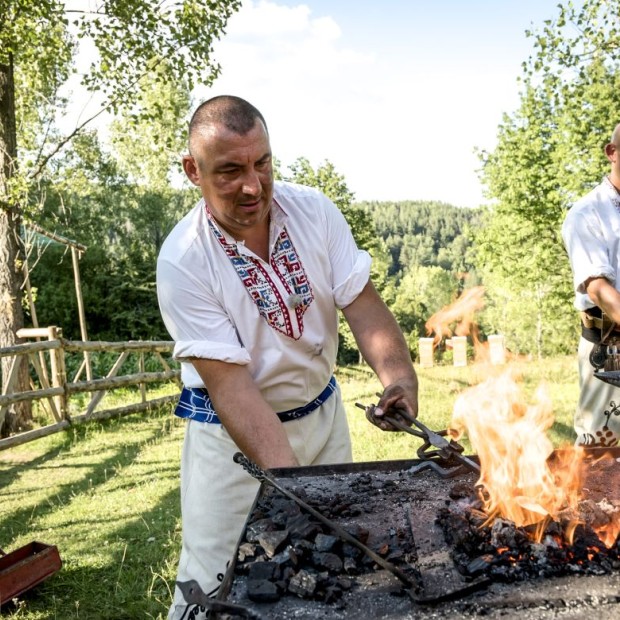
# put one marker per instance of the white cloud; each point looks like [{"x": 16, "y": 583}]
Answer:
[
  {"x": 298, "y": 73},
  {"x": 398, "y": 116},
  {"x": 268, "y": 19},
  {"x": 382, "y": 121}
]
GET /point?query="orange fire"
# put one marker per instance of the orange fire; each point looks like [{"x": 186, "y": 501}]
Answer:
[
  {"x": 458, "y": 318},
  {"x": 510, "y": 439}
]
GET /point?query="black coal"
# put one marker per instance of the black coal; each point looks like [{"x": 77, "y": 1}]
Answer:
[
  {"x": 504, "y": 552},
  {"x": 287, "y": 553}
]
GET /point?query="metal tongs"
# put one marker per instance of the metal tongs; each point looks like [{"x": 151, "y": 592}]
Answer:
[
  {"x": 194, "y": 595},
  {"x": 435, "y": 445}
]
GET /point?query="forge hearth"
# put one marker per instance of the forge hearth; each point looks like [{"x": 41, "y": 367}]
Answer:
[{"x": 288, "y": 565}]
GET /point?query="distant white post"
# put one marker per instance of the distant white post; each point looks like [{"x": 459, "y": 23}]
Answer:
[
  {"x": 459, "y": 350},
  {"x": 426, "y": 352},
  {"x": 497, "y": 353}
]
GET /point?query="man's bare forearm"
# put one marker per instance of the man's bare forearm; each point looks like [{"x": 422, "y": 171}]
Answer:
[
  {"x": 383, "y": 346},
  {"x": 605, "y": 296},
  {"x": 248, "y": 418}
]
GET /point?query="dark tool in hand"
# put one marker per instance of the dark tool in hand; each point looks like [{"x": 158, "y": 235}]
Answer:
[
  {"x": 193, "y": 594},
  {"x": 412, "y": 582},
  {"x": 434, "y": 444}
]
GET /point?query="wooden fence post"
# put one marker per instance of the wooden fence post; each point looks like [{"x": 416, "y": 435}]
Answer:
[
  {"x": 59, "y": 373},
  {"x": 59, "y": 395},
  {"x": 75, "y": 257},
  {"x": 141, "y": 371}
]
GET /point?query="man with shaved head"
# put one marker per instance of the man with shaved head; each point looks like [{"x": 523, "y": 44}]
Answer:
[
  {"x": 591, "y": 235},
  {"x": 249, "y": 285}
]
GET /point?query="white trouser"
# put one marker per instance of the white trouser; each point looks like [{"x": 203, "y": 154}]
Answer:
[
  {"x": 597, "y": 419},
  {"x": 217, "y": 494}
]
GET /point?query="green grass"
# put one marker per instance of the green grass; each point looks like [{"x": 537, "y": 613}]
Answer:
[{"x": 106, "y": 494}]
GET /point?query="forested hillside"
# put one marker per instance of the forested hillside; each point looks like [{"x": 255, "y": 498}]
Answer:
[
  {"x": 421, "y": 259},
  {"x": 424, "y": 233}
]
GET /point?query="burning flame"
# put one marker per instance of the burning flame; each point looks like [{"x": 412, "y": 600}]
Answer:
[
  {"x": 510, "y": 439},
  {"x": 460, "y": 312}
]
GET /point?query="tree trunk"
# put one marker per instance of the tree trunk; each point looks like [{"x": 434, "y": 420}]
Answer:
[
  {"x": 539, "y": 321},
  {"x": 11, "y": 253}
]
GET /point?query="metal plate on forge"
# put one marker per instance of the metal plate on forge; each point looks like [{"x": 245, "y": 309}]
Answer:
[{"x": 392, "y": 499}]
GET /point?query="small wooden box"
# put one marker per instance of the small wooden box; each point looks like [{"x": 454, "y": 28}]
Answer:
[{"x": 25, "y": 567}]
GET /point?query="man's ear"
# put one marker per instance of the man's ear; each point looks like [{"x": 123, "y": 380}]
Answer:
[
  {"x": 191, "y": 169},
  {"x": 611, "y": 151}
]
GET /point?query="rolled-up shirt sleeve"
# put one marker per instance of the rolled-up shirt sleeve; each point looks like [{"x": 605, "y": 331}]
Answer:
[
  {"x": 350, "y": 265},
  {"x": 347, "y": 291},
  {"x": 587, "y": 251},
  {"x": 196, "y": 321}
]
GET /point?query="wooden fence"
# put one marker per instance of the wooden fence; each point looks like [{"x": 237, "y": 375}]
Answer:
[{"x": 49, "y": 383}]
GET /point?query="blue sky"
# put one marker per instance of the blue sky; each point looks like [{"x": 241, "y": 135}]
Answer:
[{"x": 396, "y": 94}]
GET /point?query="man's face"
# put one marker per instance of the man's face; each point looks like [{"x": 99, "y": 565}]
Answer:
[{"x": 235, "y": 176}]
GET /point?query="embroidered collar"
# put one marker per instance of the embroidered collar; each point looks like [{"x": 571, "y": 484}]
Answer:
[
  {"x": 281, "y": 294},
  {"x": 614, "y": 193}
]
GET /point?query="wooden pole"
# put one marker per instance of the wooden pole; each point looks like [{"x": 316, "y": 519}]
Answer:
[
  {"x": 59, "y": 377},
  {"x": 165, "y": 366},
  {"x": 141, "y": 369},
  {"x": 61, "y": 391},
  {"x": 56, "y": 237},
  {"x": 42, "y": 366},
  {"x": 110, "y": 384},
  {"x": 135, "y": 346},
  {"x": 8, "y": 387},
  {"x": 33, "y": 311},
  {"x": 29, "y": 347},
  {"x": 20, "y": 397},
  {"x": 45, "y": 381},
  {"x": 94, "y": 401},
  {"x": 75, "y": 257}
]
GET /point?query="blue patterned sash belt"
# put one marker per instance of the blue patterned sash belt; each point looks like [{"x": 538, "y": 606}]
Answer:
[{"x": 195, "y": 404}]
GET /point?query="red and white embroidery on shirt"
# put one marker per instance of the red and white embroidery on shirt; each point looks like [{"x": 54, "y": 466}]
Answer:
[
  {"x": 615, "y": 199},
  {"x": 284, "y": 314}
]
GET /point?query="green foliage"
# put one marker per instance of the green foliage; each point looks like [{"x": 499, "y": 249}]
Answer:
[
  {"x": 138, "y": 37},
  {"x": 147, "y": 56},
  {"x": 564, "y": 46},
  {"x": 35, "y": 58},
  {"x": 148, "y": 146},
  {"x": 528, "y": 285},
  {"x": 423, "y": 233},
  {"x": 118, "y": 274},
  {"x": 123, "y": 226},
  {"x": 428, "y": 262},
  {"x": 140, "y": 47},
  {"x": 420, "y": 293},
  {"x": 334, "y": 186},
  {"x": 42, "y": 65},
  {"x": 549, "y": 153}
]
